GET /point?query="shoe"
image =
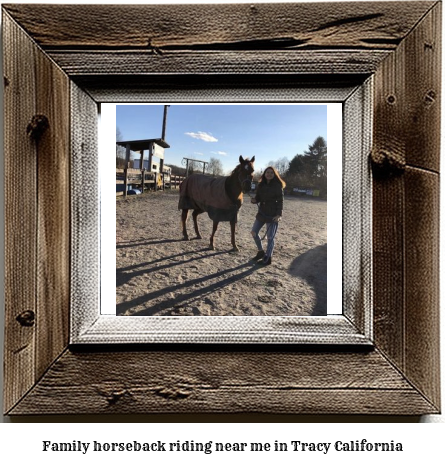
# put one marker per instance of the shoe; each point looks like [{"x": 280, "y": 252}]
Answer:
[
  {"x": 260, "y": 255},
  {"x": 267, "y": 261}
]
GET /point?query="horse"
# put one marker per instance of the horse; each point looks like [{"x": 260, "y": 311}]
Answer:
[{"x": 221, "y": 198}]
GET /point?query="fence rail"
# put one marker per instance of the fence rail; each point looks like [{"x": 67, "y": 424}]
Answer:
[{"x": 144, "y": 180}]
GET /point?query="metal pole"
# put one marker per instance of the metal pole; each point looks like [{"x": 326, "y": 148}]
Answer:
[
  {"x": 164, "y": 122},
  {"x": 127, "y": 162}
]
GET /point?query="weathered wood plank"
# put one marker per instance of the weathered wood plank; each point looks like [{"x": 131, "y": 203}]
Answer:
[
  {"x": 219, "y": 87},
  {"x": 154, "y": 27},
  {"x": 218, "y": 382},
  {"x": 20, "y": 213},
  {"x": 53, "y": 194},
  {"x": 84, "y": 211},
  {"x": 422, "y": 205},
  {"x": 423, "y": 92},
  {"x": 388, "y": 268},
  {"x": 252, "y": 400},
  {"x": 78, "y": 62},
  {"x": 422, "y": 281},
  {"x": 406, "y": 209},
  {"x": 388, "y": 201},
  {"x": 357, "y": 209}
]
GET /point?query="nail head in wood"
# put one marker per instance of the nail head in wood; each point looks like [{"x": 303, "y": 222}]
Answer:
[{"x": 430, "y": 97}]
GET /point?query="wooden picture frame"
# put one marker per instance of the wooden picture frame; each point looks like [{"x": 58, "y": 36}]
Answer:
[{"x": 59, "y": 68}]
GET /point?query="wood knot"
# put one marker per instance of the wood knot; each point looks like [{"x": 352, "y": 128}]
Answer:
[
  {"x": 113, "y": 396},
  {"x": 5, "y": 81},
  {"x": 391, "y": 99},
  {"x": 37, "y": 126},
  {"x": 26, "y": 318},
  {"x": 386, "y": 163},
  {"x": 173, "y": 393}
]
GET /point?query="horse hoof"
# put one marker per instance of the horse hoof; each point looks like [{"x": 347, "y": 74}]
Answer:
[
  {"x": 235, "y": 250},
  {"x": 212, "y": 247},
  {"x": 185, "y": 238},
  {"x": 199, "y": 236}
]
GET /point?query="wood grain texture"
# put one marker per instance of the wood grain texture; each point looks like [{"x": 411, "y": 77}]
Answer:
[
  {"x": 219, "y": 39},
  {"x": 423, "y": 92},
  {"x": 389, "y": 144},
  {"x": 79, "y": 63},
  {"x": 158, "y": 27},
  {"x": 422, "y": 284},
  {"x": 221, "y": 382},
  {"x": 388, "y": 268},
  {"x": 408, "y": 89},
  {"x": 84, "y": 225},
  {"x": 218, "y": 88},
  {"x": 53, "y": 206},
  {"x": 39, "y": 282},
  {"x": 357, "y": 209},
  {"x": 406, "y": 206},
  {"x": 20, "y": 213}
]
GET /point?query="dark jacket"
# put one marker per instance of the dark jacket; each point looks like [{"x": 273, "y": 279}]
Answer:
[{"x": 270, "y": 201}]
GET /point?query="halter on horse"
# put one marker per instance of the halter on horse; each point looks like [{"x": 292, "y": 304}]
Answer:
[{"x": 221, "y": 198}]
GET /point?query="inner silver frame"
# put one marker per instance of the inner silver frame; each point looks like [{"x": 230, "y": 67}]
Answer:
[{"x": 354, "y": 326}]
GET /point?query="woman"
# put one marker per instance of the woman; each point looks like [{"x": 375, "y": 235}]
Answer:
[{"x": 269, "y": 197}]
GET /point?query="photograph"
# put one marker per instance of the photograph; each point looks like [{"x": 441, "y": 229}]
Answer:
[{"x": 223, "y": 211}]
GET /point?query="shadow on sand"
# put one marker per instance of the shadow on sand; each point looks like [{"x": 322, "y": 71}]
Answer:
[
  {"x": 140, "y": 243},
  {"x": 193, "y": 289},
  {"x": 312, "y": 267}
]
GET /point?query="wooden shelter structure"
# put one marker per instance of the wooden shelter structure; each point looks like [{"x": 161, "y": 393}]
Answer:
[{"x": 155, "y": 148}]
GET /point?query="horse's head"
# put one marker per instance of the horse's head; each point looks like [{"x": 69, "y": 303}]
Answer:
[{"x": 245, "y": 173}]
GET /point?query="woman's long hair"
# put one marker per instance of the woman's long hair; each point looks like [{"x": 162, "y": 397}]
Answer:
[{"x": 276, "y": 178}]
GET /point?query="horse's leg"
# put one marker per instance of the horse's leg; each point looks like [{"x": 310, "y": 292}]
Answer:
[
  {"x": 184, "y": 216},
  {"x": 215, "y": 227},
  {"x": 232, "y": 231},
  {"x": 195, "y": 222}
]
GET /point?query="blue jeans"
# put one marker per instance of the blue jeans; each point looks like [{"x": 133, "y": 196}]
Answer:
[{"x": 271, "y": 232}]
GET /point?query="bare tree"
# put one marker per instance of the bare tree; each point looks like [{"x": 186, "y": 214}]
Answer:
[
  {"x": 215, "y": 167},
  {"x": 281, "y": 165}
]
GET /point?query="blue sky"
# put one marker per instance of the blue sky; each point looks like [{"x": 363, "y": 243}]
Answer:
[{"x": 225, "y": 132}]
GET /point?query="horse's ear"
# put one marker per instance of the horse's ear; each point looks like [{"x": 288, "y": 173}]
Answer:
[
  {"x": 253, "y": 159},
  {"x": 241, "y": 159}
]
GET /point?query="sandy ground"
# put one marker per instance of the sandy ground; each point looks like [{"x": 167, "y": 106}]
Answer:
[{"x": 157, "y": 273}]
